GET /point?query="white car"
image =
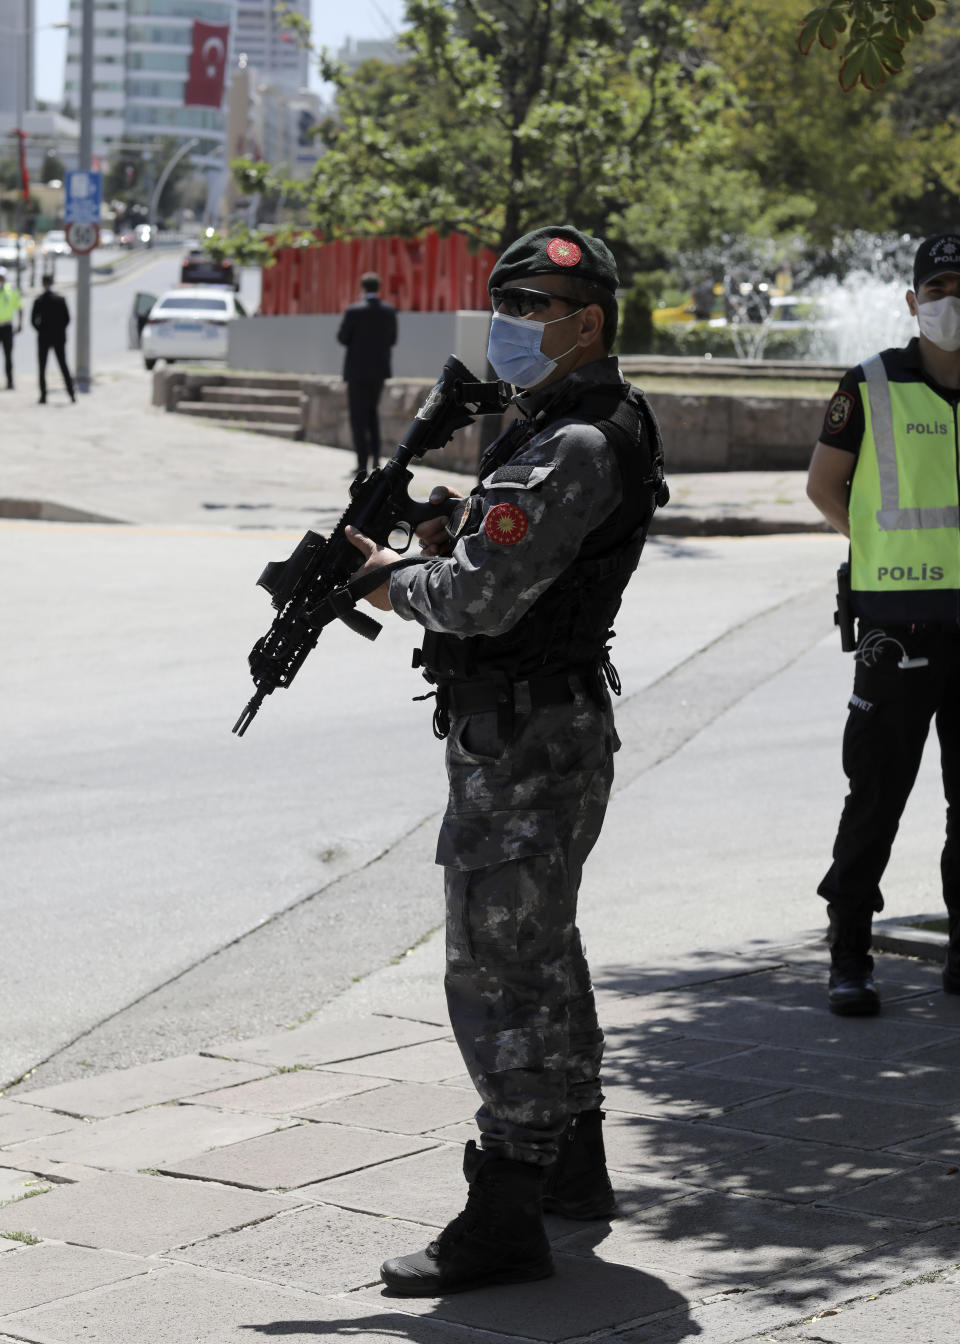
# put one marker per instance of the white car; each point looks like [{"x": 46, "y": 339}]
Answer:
[
  {"x": 55, "y": 244},
  {"x": 189, "y": 322}
]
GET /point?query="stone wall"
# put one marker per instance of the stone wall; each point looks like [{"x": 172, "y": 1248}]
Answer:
[{"x": 701, "y": 433}]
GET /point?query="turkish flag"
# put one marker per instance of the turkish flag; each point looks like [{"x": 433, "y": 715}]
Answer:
[{"x": 208, "y": 64}]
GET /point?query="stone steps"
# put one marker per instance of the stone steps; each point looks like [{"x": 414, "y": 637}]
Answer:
[
  {"x": 242, "y": 411},
  {"x": 268, "y": 427},
  {"x": 243, "y": 395}
]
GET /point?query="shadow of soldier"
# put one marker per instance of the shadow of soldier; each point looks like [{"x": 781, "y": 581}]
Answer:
[{"x": 586, "y": 1295}]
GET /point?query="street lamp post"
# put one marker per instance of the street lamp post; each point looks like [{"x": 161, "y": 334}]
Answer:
[{"x": 162, "y": 181}]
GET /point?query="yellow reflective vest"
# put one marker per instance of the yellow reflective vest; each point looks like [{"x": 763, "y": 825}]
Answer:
[
  {"x": 905, "y": 498},
  {"x": 9, "y": 303}
]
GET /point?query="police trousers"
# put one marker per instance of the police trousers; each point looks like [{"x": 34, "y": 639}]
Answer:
[
  {"x": 523, "y": 815},
  {"x": 889, "y": 718}
]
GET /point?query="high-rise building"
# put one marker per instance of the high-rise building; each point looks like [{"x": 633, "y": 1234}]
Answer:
[
  {"x": 141, "y": 55},
  {"x": 270, "y": 47},
  {"x": 16, "y": 64}
]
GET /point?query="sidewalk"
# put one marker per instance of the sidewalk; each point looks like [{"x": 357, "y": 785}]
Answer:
[
  {"x": 784, "y": 1175},
  {"x": 190, "y": 473}
]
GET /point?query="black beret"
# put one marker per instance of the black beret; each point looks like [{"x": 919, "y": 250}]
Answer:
[{"x": 559, "y": 250}]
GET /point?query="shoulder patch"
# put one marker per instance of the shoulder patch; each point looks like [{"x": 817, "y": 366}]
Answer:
[
  {"x": 505, "y": 524},
  {"x": 838, "y": 412},
  {"x": 519, "y": 476}
]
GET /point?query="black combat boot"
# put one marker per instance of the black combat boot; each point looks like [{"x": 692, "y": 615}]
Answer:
[
  {"x": 852, "y": 992},
  {"x": 499, "y": 1237},
  {"x": 577, "y": 1184}
]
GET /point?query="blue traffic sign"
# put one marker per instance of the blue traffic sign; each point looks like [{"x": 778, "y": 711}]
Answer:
[{"x": 83, "y": 197}]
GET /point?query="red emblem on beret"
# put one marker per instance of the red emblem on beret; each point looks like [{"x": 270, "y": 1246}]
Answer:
[
  {"x": 562, "y": 252},
  {"x": 506, "y": 524}
]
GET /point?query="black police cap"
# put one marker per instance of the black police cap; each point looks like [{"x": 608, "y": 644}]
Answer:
[
  {"x": 557, "y": 250},
  {"x": 939, "y": 255}
]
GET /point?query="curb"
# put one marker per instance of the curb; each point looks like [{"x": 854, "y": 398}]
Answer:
[
  {"x": 45, "y": 511},
  {"x": 903, "y": 937}
]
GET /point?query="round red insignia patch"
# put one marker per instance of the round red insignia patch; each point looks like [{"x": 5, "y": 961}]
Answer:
[
  {"x": 562, "y": 252},
  {"x": 506, "y": 524}
]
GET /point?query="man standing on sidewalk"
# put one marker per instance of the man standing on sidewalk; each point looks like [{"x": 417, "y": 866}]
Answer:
[
  {"x": 50, "y": 317},
  {"x": 885, "y": 474},
  {"x": 517, "y": 600},
  {"x": 369, "y": 331},
  {"x": 10, "y": 307}
]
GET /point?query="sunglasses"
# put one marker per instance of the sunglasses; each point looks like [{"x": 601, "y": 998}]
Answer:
[{"x": 517, "y": 302}]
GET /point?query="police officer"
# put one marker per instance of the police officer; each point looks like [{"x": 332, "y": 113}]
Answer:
[
  {"x": 885, "y": 474},
  {"x": 517, "y": 597},
  {"x": 10, "y": 308}
]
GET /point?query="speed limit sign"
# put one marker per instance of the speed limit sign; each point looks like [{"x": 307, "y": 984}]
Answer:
[{"x": 82, "y": 237}]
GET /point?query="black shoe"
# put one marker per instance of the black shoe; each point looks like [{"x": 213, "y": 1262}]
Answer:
[
  {"x": 852, "y": 994},
  {"x": 42, "y": 401},
  {"x": 577, "y": 1185},
  {"x": 499, "y": 1237},
  {"x": 851, "y": 990}
]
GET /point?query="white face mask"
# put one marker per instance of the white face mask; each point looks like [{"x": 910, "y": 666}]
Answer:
[{"x": 940, "y": 322}]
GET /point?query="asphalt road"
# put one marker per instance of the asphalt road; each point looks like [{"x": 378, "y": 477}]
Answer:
[{"x": 167, "y": 885}]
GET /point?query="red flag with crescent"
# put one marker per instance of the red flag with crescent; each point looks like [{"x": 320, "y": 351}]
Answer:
[{"x": 208, "y": 64}]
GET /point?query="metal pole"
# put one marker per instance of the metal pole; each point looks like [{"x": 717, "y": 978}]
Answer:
[
  {"x": 84, "y": 161},
  {"x": 158, "y": 189}
]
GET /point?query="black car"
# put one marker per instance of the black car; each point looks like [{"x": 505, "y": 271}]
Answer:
[{"x": 199, "y": 268}]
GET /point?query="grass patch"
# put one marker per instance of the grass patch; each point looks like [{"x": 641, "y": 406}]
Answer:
[
  {"x": 930, "y": 925},
  {"x": 701, "y": 385},
  {"x": 25, "y": 1237}
]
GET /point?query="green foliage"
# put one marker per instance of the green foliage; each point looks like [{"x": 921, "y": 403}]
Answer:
[{"x": 879, "y": 31}]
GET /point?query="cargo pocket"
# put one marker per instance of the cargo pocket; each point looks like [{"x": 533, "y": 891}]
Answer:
[{"x": 499, "y": 874}]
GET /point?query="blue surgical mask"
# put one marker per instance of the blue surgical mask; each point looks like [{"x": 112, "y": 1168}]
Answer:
[{"x": 514, "y": 349}]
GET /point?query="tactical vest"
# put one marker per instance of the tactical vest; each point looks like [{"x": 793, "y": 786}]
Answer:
[
  {"x": 9, "y": 304},
  {"x": 904, "y": 501},
  {"x": 570, "y": 624}
]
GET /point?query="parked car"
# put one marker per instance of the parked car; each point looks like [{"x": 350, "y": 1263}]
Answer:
[
  {"x": 199, "y": 268},
  {"x": 108, "y": 238},
  {"x": 10, "y": 245},
  {"x": 189, "y": 322},
  {"x": 140, "y": 311},
  {"x": 55, "y": 244}
]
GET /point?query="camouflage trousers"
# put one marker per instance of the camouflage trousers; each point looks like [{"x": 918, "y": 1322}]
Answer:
[{"x": 522, "y": 817}]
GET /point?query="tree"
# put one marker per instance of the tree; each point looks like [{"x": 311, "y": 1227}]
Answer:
[
  {"x": 879, "y": 32},
  {"x": 511, "y": 112}
]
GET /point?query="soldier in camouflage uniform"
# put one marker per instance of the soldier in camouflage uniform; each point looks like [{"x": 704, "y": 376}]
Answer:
[{"x": 517, "y": 597}]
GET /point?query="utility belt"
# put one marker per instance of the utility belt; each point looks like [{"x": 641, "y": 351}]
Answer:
[{"x": 507, "y": 698}]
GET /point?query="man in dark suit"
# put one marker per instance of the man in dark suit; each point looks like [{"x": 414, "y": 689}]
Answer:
[
  {"x": 50, "y": 317},
  {"x": 369, "y": 331}
]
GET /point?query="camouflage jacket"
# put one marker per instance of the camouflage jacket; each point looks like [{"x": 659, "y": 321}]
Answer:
[{"x": 520, "y": 534}]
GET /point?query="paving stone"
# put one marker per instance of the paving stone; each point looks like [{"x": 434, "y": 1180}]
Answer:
[
  {"x": 286, "y": 1093},
  {"x": 726, "y": 1240},
  {"x": 19, "y": 1122},
  {"x": 401, "y": 1108},
  {"x": 926, "y": 1313},
  {"x": 46, "y": 1273},
  {"x": 946, "y": 1054},
  {"x": 823, "y": 1117},
  {"x": 151, "y": 1138},
  {"x": 583, "y": 1297},
  {"x": 679, "y": 1052},
  {"x": 429, "y": 1063},
  {"x": 139, "y": 1214},
  {"x": 145, "y": 1085},
  {"x": 322, "y": 1249},
  {"x": 427, "y": 1188},
  {"x": 328, "y": 1042},
  {"x": 178, "y": 1304},
  {"x": 944, "y": 1145},
  {"x": 671, "y": 1147},
  {"x": 294, "y": 1157},
  {"x": 797, "y": 1172},
  {"x": 903, "y": 1080},
  {"x": 675, "y": 1094},
  {"x": 926, "y": 1194},
  {"x": 15, "y": 1184},
  {"x": 456, "y": 1134}
]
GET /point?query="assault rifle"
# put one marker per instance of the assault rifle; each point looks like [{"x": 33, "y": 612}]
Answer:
[{"x": 312, "y": 587}]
